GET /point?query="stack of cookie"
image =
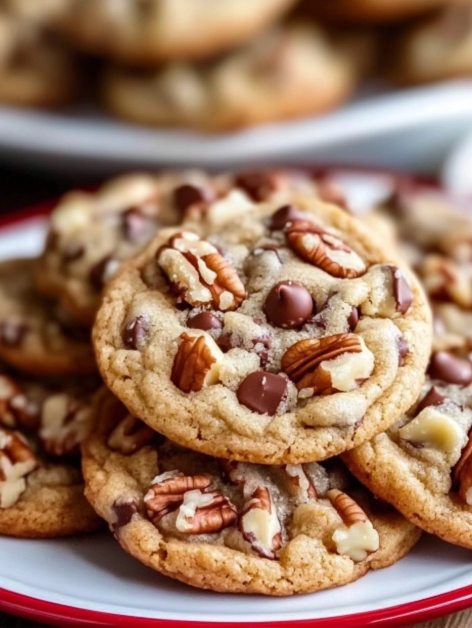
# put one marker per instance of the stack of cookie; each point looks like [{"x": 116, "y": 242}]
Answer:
[{"x": 244, "y": 350}]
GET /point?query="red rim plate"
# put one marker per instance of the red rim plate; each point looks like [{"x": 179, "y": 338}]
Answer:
[{"x": 65, "y": 616}]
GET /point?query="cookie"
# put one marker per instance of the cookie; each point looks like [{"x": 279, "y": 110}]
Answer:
[
  {"x": 41, "y": 485},
  {"x": 150, "y": 31},
  {"x": 285, "y": 336},
  {"x": 369, "y": 11},
  {"x": 91, "y": 233},
  {"x": 435, "y": 49},
  {"x": 423, "y": 465},
  {"x": 35, "y": 70},
  {"x": 234, "y": 527},
  {"x": 290, "y": 72},
  {"x": 36, "y": 336}
]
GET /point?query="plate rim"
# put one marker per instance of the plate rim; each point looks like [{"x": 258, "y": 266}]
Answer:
[{"x": 71, "y": 616}]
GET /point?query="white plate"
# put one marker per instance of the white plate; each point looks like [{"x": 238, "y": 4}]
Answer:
[
  {"x": 91, "y": 580},
  {"x": 420, "y": 126}
]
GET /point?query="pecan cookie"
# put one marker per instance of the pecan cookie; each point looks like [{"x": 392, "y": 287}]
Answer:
[
  {"x": 435, "y": 49},
  {"x": 285, "y": 336},
  {"x": 91, "y": 233},
  {"x": 288, "y": 73},
  {"x": 423, "y": 465},
  {"x": 34, "y": 70},
  {"x": 234, "y": 527},
  {"x": 146, "y": 32},
  {"x": 41, "y": 486},
  {"x": 36, "y": 336}
]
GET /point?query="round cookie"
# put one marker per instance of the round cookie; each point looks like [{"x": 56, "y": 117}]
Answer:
[
  {"x": 41, "y": 486},
  {"x": 35, "y": 70},
  {"x": 368, "y": 11},
  {"x": 210, "y": 339},
  {"x": 91, "y": 233},
  {"x": 423, "y": 465},
  {"x": 435, "y": 49},
  {"x": 35, "y": 335},
  {"x": 290, "y": 72},
  {"x": 150, "y": 31},
  {"x": 234, "y": 527}
]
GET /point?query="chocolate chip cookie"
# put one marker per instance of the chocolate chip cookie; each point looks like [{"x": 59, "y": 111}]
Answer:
[
  {"x": 35, "y": 70},
  {"x": 145, "y": 32},
  {"x": 230, "y": 526},
  {"x": 91, "y": 233},
  {"x": 423, "y": 465},
  {"x": 286, "y": 336},
  {"x": 36, "y": 336},
  {"x": 290, "y": 72},
  {"x": 41, "y": 486}
]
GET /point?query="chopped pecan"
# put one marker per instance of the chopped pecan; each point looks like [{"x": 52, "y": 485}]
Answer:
[
  {"x": 433, "y": 429},
  {"x": 446, "y": 280},
  {"x": 300, "y": 481},
  {"x": 15, "y": 408},
  {"x": 322, "y": 366},
  {"x": 199, "y": 274},
  {"x": 63, "y": 423},
  {"x": 16, "y": 461},
  {"x": 130, "y": 435},
  {"x": 167, "y": 491},
  {"x": 317, "y": 246},
  {"x": 358, "y": 538},
  {"x": 260, "y": 525},
  {"x": 205, "y": 513},
  {"x": 197, "y": 362}
]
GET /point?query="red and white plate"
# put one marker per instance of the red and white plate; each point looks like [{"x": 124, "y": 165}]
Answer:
[{"x": 89, "y": 580}]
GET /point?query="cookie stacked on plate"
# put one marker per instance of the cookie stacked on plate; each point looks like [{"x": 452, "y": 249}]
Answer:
[{"x": 244, "y": 350}]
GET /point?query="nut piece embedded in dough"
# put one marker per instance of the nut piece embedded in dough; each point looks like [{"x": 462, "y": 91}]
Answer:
[
  {"x": 317, "y": 246},
  {"x": 323, "y": 366},
  {"x": 63, "y": 424},
  {"x": 197, "y": 362},
  {"x": 199, "y": 274},
  {"x": 433, "y": 429},
  {"x": 167, "y": 491},
  {"x": 300, "y": 483},
  {"x": 17, "y": 460},
  {"x": 205, "y": 513},
  {"x": 358, "y": 538},
  {"x": 260, "y": 525},
  {"x": 446, "y": 280},
  {"x": 130, "y": 435},
  {"x": 15, "y": 408},
  {"x": 462, "y": 474}
]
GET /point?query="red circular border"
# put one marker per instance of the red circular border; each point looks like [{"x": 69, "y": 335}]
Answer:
[{"x": 65, "y": 616}]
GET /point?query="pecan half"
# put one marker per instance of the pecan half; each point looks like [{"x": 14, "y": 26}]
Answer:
[
  {"x": 322, "y": 366},
  {"x": 358, "y": 538},
  {"x": 205, "y": 513},
  {"x": 260, "y": 525},
  {"x": 16, "y": 461},
  {"x": 462, "y": 474},
  {"x": 317, "y": 246},
  {"x": 130, "y": 435},
  {"x": 199, "y": 274},
  {"x": 300, "y": 482},
  {"x": 15, "y": 408},
  {"x": 167, "y": 491},
  {"x": 196, "y": 363},
  {"x": 63, "y": 423}
]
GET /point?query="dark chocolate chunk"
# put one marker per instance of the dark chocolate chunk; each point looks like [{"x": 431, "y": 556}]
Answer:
[
  {"x": 448, "y": 368},
  {"x": 135, "y": 332},
  {"x": 353, "y": 318},
  {"x": 123, "y": 513},
  {"x": 284, "y": 216},
  {"x": 432, "y": 398},
  {"x": 137, "y": 226},
  {"x": 262, "y": 392},
  {"x": 403, "y": 350},
  {"x": 204, "y": 321},
  {"x": 258, "y": 185},
  {"x": 401, "y": 291},
  {"x": 187, "y": 196},
  {"x": 288, "y": 305}
]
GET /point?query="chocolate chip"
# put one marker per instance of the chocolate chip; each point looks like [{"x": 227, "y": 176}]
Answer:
[
  {"x": 401, "y": 291},
  {"x": 123, "y": 513},
  {"x": 258, "y": 185},
  {"x": 353, "y": 318},
  {"x": 137, "y": 226},
  {"x": 285, "y": 215},
  {"x": 73, "y": 252},
  {"x": 450, "y": 369},
  {"x": 225, "y": 342},
  {"x": 188, "y": 196},
  {"x": 403, "y": 350},
  {"x": 204, "y": 321},
  {"x": 102, "y": 272},
  {"x": 262, "y": 345},
  {"x": 12, "y": 334},
  {"x": 288, "y": 305},
  {"x": 135, "y": 332},
  {"x": 432, "y": 398},
  {"x": 262, "y": 392}
]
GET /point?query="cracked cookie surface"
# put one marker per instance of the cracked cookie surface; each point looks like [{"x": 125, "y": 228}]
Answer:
[
  {"x": 286, "y": 336},
  {"x": 234, "y": 527}
]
